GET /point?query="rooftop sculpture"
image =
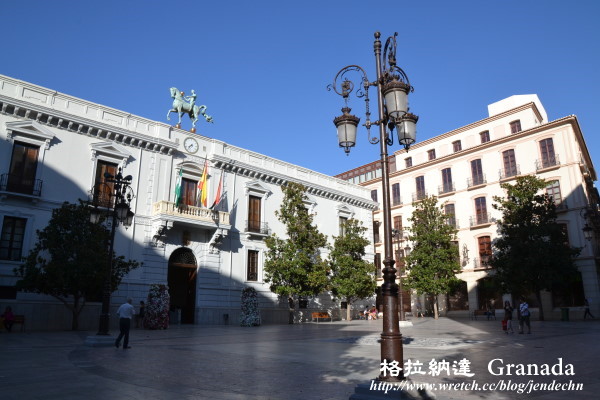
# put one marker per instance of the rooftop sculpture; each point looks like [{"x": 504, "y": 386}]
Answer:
[{"x": 183, "y": 104}]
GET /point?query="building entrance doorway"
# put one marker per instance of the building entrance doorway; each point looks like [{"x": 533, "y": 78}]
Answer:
[{"x": 183, "y": 271}]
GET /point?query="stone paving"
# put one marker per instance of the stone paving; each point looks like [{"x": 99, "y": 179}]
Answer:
[{"x": 308, "y": 361}]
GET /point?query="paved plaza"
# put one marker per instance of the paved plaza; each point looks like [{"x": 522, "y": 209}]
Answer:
[{"x": 288, "y": 362}]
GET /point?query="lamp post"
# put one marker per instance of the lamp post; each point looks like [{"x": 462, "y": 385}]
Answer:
[
  {"x": 588, "y": 231},
  {"x": 115, "y": 204},
  {"x": 392, "y": 99},
  {"x": 401, "y": 253}
]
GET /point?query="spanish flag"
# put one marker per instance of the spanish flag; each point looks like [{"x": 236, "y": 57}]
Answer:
[
  {"x": 219, "y": 192},
  {"x": 203, "y": 186}
]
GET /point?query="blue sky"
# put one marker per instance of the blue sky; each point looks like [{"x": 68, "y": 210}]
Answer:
[{"x": 262, "y": 67}]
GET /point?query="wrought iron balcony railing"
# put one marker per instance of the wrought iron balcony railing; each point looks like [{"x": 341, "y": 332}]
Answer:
[
  {"x": 507, "y": 173},
  {"x": 419, "y": 196},
  {"x": 476, "y": 180},
  {"x": 547, "y": 162},
  {"x": 17, "y": 184},
  {"x": 480, "y": 219},
  {"x": 482, "y": 262},
  {"x": 446, "y": 188},
  {"x": 452, "y": 221},
  {"x": 261, "y": 228},
  {"x": 396, "y": 201}
]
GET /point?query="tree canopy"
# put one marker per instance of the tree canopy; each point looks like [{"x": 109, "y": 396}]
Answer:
[
  {"x": 69, "y": 261},
  {"x": 352, "y": 277},
  {"x": 433, "y": 262},
  {"x": 294, "y": 266},
  {"x": 532, "y": 252}
]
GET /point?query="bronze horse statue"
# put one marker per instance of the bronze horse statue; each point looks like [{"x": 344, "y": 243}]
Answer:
[{"x": 181, "y": 106}]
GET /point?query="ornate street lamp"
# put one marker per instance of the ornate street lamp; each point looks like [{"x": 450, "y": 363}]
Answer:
[
  {"x": 402, "y": 253},
  {"x": 117, "y": 208},
  {"x": 588, "y": 231},
  {"x": 393, "y": 88}
]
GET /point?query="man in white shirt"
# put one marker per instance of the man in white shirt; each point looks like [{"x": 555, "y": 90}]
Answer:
[{"x": 126, "y": 313}]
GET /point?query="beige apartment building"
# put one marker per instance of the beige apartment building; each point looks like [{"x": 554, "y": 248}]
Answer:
[{"x": 465, "y": 167}]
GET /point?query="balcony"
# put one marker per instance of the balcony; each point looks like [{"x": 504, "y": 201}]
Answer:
[
  {"x": 258, "y": 228},
  {"x": 396, "y": 201},
  {"x": 482, "y": 263},
  {"x": 102, "y": 196},
  {"x": 476, "y": 181},
  {"x": 419, "y": 196},
  {"x": 480, "y": 220},
  {"x": 446, "y": 188},
  {"x": 561, "y": 206},
  {"x": 547, "y": 163},
  {"x": 190, "y": 215},
  {"x": 452, "y": 222},
  {"x": 509, "y": 173},
  {"x": 16, "y": 184}
]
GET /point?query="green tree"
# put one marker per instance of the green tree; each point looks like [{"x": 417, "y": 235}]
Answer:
[
  {"x": 69, "y": 260},
  {"x": 293, "y": 266},
  {"x": 433, "y": 262},
  {"x": 352, "y": 277},
  {"x": 532, "y": 252}
]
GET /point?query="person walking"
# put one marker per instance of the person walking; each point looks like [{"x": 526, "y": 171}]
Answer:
[
  {"x": 126, "y": 313},
  {"x": 524, "y": 316},
  {"x": 419, "y": 310},
  {"x": 139, "y": 317},
  {"x": 8, "y": 318},
  {"x": 508, "y": 315},
  {"x": 587, "y": 310}
]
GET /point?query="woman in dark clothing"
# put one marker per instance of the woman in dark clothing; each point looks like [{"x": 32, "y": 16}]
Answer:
[{"x": 508, "y": 312}]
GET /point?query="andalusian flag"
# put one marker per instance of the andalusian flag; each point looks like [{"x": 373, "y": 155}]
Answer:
[
  {"x": 178, "y": 188},
  {"x": 218, "y": 195},
  {"x": 203, "y": 186}
]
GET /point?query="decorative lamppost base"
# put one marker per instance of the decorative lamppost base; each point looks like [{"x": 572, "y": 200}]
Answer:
[
  {"x": 376, "y": 390},
  {"x": 100, "y": 341}
]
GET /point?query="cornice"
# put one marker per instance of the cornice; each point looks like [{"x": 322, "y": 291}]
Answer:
[
  {"x": 65, "y": 121},
  {"x": 572, "y": 120},
  {"x": 261, "y": 174},
  {"x": 473, "y": 125},
  {"x": 579, "y": 134}
]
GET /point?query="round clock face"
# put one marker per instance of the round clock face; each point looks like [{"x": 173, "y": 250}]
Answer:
[{"x": 190, "y": 145}]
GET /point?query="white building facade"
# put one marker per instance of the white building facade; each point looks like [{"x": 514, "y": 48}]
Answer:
[
  {"x": 464, "y": 168},
  {"x": 55, "y": 148}
]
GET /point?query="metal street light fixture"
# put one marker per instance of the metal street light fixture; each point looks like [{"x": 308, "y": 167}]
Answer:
[
  {"x": 588, "y": 231},
  {"x": 393, "y": 88},
  {"x": 402, "y": 253},
  {"x": 117, "y": 208}
]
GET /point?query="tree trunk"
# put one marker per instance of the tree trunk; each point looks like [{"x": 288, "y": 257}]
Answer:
[
  {"x": 348, "y": 311},
  {"x": 538, "y": 296},
  {"x": 292, "y": 307},
  {"x": 75, "y": 320},
  {"x": 435, "y": 308}
]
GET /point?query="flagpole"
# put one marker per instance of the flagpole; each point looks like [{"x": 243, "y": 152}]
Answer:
[{"x": 219, "y": 192}]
